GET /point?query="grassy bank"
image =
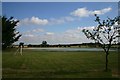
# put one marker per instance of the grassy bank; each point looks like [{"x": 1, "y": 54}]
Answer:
[{"x": 44, "y": 64}]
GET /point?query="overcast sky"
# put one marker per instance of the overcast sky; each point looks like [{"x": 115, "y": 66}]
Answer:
[{"x": 57, "y": 22}]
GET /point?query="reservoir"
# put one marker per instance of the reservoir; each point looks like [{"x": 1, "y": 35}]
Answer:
[{"x": 68, "y": 49}]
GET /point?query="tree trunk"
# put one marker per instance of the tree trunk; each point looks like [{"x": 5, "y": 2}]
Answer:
[{"x": 106, "y": 64}]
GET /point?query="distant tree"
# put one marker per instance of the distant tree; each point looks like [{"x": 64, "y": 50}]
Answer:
[
  {"x": 9, "y": 33},
  {"x": 105, "y": 34},
  {"x": 44, "y": 43},
  {"x": 29, "y": 45}
]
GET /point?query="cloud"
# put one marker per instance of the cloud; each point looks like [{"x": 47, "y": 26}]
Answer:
[
  {"x": 61, "y": 20},
  {"x": 102, "y": 11},
  {"x": 80, "y": 12},
  {"x": 69, "y": 36},
  {"x": 38, "y": 30},
  {"x": 29, "y": 35},
  {"x": 56, "y": 21},
  {"x": 34, "y": 31},
  {"x": 68, "y": 18},
  {"x": 33, "y": 20},
  {"x": 76, "y": 35},
  {"x": 49, "y": 33},
  {"x": 84, "y": 12},
  {"x": 88, "y": 28},
  {"x": 38, "y": 21}
]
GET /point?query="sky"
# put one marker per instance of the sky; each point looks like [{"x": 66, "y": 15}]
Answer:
[
  {"x": 60, "y": 0},
  {"x": 57, "y": 22}
]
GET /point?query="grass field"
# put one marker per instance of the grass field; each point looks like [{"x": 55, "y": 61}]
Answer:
[{"x": 44, "y": 64}]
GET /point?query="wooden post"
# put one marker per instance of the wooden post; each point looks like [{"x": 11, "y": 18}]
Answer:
[
  {"x": 21, "y": 49},
  {"x": 16, "y": 51}
]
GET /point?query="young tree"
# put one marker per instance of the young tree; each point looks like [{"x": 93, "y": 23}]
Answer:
[
  {"x": 9, "y": 33},
  {"x": 105, "y": 34}
]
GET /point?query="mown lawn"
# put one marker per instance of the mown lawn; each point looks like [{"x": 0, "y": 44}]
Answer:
[{"x": 44, "y": 64}]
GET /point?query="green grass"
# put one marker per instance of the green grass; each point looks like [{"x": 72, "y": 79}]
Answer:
[{"x": 44, "y": 64}]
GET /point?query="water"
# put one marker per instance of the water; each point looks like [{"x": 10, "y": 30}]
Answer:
[{"x": 67, "y": 49}]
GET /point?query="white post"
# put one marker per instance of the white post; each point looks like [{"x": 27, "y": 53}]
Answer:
[{"x": 21, "y": 49}]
